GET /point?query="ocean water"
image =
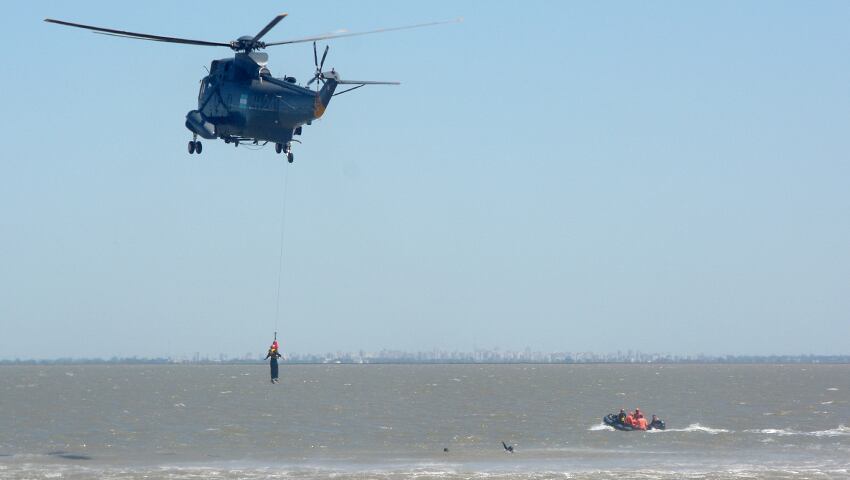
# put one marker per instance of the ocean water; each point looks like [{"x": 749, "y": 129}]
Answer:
[{"x": 393, "y": 422}]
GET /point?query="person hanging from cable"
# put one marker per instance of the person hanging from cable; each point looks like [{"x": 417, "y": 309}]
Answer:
[{"x": 272, "y": 356}]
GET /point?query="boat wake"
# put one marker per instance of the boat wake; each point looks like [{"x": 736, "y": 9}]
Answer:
[{"x": 696, "y": 427}]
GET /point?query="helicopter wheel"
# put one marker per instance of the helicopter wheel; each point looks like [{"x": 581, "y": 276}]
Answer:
[
  {"x": 191, "y": 148},
  {"x": 198, "y": 148},
  {"x": 290, "y": 157},
  {"x": 278, "y": 148}
]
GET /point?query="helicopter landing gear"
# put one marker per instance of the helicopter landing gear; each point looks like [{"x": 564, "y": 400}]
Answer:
[
  {"x": 195, "y": 146},
  {"x": 285, "y": 148}
]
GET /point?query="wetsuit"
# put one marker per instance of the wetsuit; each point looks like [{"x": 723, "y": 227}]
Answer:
[{"x": 273, "y": 355}]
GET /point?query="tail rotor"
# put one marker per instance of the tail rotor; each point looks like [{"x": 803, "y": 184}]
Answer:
[
  {"x": 318, "y": 76},
  {"x": 322, "y": 78}
]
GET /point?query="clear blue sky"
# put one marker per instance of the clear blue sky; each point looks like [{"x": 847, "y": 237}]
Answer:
[{"x": 664, "y": 176}]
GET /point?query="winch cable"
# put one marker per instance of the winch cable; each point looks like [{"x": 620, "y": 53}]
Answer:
[{"x": 281, "y": 252}]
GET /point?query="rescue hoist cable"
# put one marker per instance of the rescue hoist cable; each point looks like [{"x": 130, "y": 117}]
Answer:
[{"x": 281, "y": 252}]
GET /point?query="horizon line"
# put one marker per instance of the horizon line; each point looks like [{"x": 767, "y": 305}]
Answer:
[{"x": 312, "y": 359}]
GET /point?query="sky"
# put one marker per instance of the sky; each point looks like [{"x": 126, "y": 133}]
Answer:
[{"x": 567, "y": 176}]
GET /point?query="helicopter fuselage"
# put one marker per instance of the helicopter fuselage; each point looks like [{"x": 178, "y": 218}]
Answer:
[{"x": 240, "y": 100}]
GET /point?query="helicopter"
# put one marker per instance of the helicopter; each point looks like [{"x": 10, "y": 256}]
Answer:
[{"x": 240, "y": 101}]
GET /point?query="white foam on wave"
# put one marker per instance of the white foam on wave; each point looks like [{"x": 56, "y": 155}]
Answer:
[
  {"x": 773, "y": 431},
  {"x": 834, "y": 432},
  {"x": 601, "y": 427},
  {"x": 841, "y": 431},
  {"x": 423, "y": 471},
  {"x": 696, "y": 427}
]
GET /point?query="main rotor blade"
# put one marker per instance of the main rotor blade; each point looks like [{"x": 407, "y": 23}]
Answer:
[
  {"x": 315, "y": 57},
  {"x": 139, "y": 36},
  {"x": 270, "y": 26},
  {"x": 354, "y": 34}
]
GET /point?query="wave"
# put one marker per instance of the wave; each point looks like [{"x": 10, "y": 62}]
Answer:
[
  {"x": 601, "y": 427},
  {"x": 446, "y": 472},
  {"x": 834, "y": 432},
  {"x": 841, "y": 431},
  {"x": 696, "y": 427}
]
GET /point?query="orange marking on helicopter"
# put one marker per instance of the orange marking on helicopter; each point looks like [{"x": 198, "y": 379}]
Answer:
[{"x": 318, "y": 107}]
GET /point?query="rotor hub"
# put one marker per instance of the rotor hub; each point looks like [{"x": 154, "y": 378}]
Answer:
[{"x": 246, "y": 43}]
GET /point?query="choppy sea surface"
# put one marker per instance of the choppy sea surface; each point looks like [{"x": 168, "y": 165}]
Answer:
[{"x": 394, "y": 422}]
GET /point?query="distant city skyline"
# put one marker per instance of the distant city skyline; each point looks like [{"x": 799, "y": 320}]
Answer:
[{"x": 448, "y": 357}]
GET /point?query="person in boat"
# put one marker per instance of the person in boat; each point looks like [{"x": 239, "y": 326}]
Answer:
[
  {"x": 638, "y": 415},
  {"x": 621, "y": 417},
  {"x": 656, "y": 423},
  {"x": 629, "y": 420},
  {"x": 272, "y": 356},
  {"x": 641, "y": 423}
]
